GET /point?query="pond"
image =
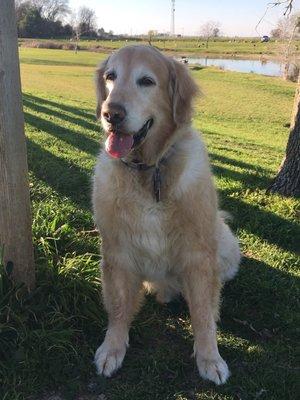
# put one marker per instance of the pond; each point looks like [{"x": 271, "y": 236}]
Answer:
[{"x": 262, "y": 67}]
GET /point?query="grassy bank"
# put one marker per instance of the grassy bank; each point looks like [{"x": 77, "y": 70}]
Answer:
[
  {"x": 231, "y": 47},
  {"x": 47, "y": 338}
]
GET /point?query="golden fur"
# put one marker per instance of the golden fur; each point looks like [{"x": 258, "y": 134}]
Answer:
[{"x": 180, "y": 244}]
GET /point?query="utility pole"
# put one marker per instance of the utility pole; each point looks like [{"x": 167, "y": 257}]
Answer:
[
  {"x": 16, "y": 250},
  {"x": 172, "y": 17}
]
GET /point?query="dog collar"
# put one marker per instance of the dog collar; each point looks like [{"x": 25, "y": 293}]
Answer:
[
  {"x": 136, "y": 164},
  {"x": 156, "y": 176}
]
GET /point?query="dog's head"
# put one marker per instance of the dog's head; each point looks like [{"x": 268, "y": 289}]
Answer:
[{"x": 143, "y": 98}]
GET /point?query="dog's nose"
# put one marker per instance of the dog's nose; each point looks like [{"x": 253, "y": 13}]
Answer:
[{"x": 114, "y": 113}]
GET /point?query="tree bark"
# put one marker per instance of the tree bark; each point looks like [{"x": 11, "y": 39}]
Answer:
[
  {"x": 287, "y": 181},
  {"x": 16, "y": 248}
]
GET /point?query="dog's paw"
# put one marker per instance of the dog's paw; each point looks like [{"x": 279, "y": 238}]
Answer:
[
  {"x": 108, "y": 359},
  {"x": 214, "y": 370}
]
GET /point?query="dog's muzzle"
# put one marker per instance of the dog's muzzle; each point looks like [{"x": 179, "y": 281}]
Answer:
[{"x": 119, "y": 144}]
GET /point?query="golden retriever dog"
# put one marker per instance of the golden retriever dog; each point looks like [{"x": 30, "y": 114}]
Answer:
[{"x": 156, "y": 206}]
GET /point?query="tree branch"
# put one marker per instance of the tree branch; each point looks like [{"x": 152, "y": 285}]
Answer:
[
  {"x": 288, "y": 8},
  {"x": 288, "y": 5}
]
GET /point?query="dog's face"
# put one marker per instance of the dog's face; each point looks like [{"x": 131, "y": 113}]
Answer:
[{"x": 143, "y": 97}]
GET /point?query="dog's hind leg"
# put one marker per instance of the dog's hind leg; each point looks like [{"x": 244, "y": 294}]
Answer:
[
  {"x": 229, "y": 254},
  {"x": 122, "y": 294}
]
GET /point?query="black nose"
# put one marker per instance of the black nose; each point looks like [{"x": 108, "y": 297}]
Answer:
[{"x": 114, "y": 113}]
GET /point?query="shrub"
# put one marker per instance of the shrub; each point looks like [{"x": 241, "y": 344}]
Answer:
[
  {"x": 42, "y": 45},
  {"x": 70, "y": 46}
]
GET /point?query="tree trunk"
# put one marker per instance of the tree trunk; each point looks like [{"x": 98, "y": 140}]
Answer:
[
  {"x": 287, "y": 181},
  {"x": 16, "y": 248}
]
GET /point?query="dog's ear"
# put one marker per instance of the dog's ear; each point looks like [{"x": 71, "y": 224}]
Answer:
[
  {"x": 182, "y": 91},
  {"x": 100, "y": 87}
]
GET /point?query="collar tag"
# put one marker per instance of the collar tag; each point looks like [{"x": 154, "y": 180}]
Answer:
[
  {"x": 156, "y": 176},
  {"x": 157, "y": 183}
]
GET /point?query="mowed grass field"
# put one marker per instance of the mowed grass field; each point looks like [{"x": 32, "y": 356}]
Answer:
[
  {"x": 236, "y": 47},
  {"x": 48, "y": 338}
]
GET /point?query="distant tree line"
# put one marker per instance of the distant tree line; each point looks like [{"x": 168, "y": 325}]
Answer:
[{"x": 54, "y": 19}]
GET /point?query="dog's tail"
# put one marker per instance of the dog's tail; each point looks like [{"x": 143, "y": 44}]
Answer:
[
  {"x": 225, "y": 216},
  {"x": 229, "y": 254}
]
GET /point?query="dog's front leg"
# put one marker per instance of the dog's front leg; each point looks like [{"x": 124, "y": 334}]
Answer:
[
  {"x": 202, "y": 290},
  {"x": 122, "y": 293}
]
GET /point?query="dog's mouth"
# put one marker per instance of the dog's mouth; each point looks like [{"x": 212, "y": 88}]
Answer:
[{"x": 119, "y": 145}]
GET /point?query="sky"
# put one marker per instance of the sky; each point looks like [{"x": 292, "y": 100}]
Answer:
[{"x": 237, "y": 17}]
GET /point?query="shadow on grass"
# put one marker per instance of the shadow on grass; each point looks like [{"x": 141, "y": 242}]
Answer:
[
  {"x": 76, "y": 139},
  {"x": 254, "y": 316},
  {"x": 64, "y": 177},
  {"x": 71, "y": 109},
  {"x": 39, "y": 105},
  {"x": 238, "y": 163},
  {"x": 44, "y": 336},
  {"x": 260, "y": 304},
  {"x": 251, "y": 217},
  {"x": 247, "y": 179},
  {"x": 158, "y": 365},
  {"x": 248, "y": 144},
  {"x": 262, "y": 223}
]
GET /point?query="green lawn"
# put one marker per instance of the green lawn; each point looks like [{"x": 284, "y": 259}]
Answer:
[
  {"x": 244, "y": 47},
  {"x": 48, "y": 338}
]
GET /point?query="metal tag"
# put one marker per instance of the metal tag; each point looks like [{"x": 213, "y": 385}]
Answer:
[{"x": 157, "y": 183}]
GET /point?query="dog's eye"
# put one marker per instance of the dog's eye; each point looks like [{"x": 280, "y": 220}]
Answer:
[
  {"x": 146, "y": 81},
  {"x": 110, "y": 76}
]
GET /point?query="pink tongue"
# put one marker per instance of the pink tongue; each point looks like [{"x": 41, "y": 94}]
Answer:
[{"x": 118, "y": 145}]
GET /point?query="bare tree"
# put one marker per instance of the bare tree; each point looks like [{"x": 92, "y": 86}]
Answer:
[
  {"x": 21, "y": 8},
  {"x": 288, "y": 62},
  {"x": 52, "y": 9},
  {"x": 285, "y": 27},
  {"x": 87, "y": 20},
  {"x": 210, "y": 29},
  {"x": 83, "y": 22},
  {"x": 287, "y": 181}
]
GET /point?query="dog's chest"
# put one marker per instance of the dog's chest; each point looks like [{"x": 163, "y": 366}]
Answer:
[
  {"x": 150, "y": 230},
  {"x": 144, "y": 235},
  {"x": 134, "y": 224}
]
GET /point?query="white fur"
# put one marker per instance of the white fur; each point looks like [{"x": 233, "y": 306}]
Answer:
[
  {"x": 109, "y": 356},
  {"x": 229, "y": 253},
  {"x": 216, "y": 370},
  {"x": 196, "y": 163}
]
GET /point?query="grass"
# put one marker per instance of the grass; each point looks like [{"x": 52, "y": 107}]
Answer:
[
  {"x": 48, "y": 337},
  {"x": 240, "y": 47}
]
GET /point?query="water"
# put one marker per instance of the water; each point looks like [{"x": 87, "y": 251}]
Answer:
[{"x": 262, "y": 67}]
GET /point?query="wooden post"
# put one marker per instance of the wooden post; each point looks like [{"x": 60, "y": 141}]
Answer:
[{"x": 15, "y": 214}]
